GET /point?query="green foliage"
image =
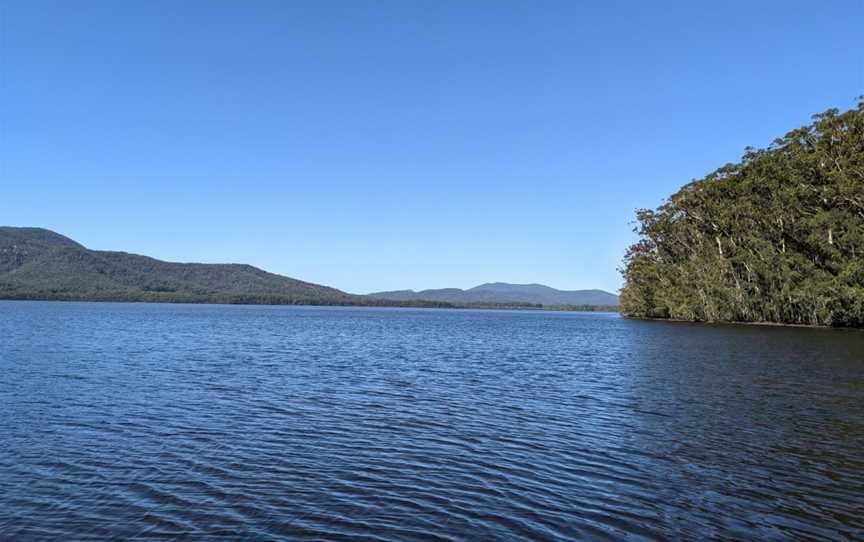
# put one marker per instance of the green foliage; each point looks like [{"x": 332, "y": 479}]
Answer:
[
  {"x": 778, "y": 237},
  {"x": 40, "y": 264}
]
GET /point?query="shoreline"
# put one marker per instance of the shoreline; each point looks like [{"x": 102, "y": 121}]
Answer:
[
  {"x": 733, "y": 323},
  {"x": 376, "y": 304}
]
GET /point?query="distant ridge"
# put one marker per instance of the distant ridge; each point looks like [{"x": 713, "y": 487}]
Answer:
[
  {"x": 40, "y": 264},
  {"x": 502, "y": 292}
]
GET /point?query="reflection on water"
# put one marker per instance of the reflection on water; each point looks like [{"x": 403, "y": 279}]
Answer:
[{"x": 163, "y": 421}]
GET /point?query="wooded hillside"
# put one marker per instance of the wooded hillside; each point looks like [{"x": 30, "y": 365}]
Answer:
[{"x": 778, "y": 237}]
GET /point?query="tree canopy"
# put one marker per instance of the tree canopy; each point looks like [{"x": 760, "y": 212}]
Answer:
[{"x": 777, "y": 237}]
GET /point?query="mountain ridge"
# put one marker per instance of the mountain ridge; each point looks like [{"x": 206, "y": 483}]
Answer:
[
  {"x": 39, "y": 264},
  {"x": 503, "y": 292}
]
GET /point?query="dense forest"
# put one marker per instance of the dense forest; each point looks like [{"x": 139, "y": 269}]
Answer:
[
  {"x": 777, "y": 237},
  {"x": 40, "y": 264}
]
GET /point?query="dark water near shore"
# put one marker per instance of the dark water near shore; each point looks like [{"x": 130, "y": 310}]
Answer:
[{"x": 124, "y": 421}]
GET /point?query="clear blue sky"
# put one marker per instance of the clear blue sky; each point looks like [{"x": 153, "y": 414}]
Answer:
[{"x": 404, "y": 144}]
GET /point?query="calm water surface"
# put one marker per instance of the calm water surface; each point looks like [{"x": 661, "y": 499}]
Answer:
[{"x": 123, "y": 421}]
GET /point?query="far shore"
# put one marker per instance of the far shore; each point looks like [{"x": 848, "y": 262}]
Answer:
[{"x": 419, "y": 304}]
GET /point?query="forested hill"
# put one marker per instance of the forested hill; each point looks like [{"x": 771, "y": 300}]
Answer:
[
  {"x": 778, "y": 237},
  {"x": 40, "y": 264}
]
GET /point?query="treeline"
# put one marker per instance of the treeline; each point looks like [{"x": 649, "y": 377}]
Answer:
[
  {"x": 778, "y": 237},
  {"x": 132, "y": 296}
]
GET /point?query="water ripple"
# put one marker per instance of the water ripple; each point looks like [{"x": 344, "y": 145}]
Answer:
[{"x": 149, "y": 422}]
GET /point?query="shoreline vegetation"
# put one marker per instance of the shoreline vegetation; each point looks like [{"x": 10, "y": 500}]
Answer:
[
  {"x": 277, "y": 301},
  {"x": 777, "y": 238}
]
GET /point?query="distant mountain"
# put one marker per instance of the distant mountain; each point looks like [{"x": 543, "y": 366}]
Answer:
[
  {"x": 502, "y": 292},
  {"x": 39, "y": 264}
]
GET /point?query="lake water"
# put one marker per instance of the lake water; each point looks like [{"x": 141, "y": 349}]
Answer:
[{"x": 124, "y": 421}]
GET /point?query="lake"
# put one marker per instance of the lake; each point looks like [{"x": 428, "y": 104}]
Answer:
[{"x": 133, "y": 421}]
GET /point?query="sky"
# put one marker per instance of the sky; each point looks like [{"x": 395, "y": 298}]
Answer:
[{"x": 397, "y": 144}]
